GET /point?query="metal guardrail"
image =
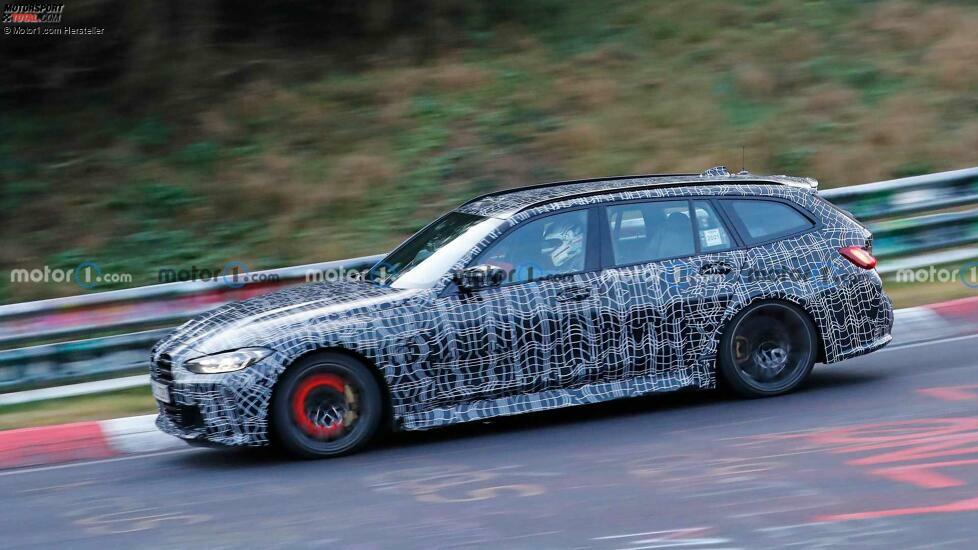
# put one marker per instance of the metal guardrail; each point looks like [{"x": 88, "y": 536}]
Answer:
[
  {"x": 66, "y": 340},
  {"x": 873, "y": 202},
  {"x": 900, "y": 197}
]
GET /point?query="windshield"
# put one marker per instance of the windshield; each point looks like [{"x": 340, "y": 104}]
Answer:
[{"x": 424, "y": 258}]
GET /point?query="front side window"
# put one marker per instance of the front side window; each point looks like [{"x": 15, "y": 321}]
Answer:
[
  {"x": 650, "y": 231},
  {"x": 548, "y": 246},
  {"x": 764, "y": 219},
  {"x": 427, "y": 256}
]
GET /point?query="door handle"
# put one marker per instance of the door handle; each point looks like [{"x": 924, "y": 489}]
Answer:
[
  {"x": 716, "y": 268},
  {"x": 573, "y": 294}
]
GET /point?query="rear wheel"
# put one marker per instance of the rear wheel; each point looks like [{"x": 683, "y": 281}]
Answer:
[
  {"x": 326, "y": 405},
  {"x": 768, "y": 349}
]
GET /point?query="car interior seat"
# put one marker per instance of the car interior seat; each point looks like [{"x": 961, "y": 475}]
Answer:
[{"x": 676, "y": 237}]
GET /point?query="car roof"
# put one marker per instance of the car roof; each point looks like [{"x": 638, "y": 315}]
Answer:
[{"x": 506, "y": 203}]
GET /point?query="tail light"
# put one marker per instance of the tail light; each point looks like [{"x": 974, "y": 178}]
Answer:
[{"x": 859, "y": 256}]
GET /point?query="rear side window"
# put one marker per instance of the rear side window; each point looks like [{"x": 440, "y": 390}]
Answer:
[
  {"x": 764, "y": 220},
  {"x": 650, "y": 231}
]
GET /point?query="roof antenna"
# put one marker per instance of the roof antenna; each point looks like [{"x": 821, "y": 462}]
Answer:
[{"x": 743, "y": 163}]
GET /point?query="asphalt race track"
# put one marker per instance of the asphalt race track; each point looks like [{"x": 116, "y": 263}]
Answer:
[{"x": 880, "y": 451}]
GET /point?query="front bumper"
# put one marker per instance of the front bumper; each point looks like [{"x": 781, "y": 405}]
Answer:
[{"x": 219, "y": 409}]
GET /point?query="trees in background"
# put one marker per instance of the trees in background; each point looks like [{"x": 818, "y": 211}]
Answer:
[{"x": 174, "y": 50}]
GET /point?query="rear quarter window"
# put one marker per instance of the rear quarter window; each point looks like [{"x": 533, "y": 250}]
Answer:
[{"x": 763, "y": 220}]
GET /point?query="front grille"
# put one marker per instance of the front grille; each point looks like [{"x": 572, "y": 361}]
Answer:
[
  {"x": 163, "y": 369},
  {"x": 182, "y": 415}
]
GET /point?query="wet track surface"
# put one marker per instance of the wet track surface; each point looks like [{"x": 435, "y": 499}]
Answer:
[{"x": 881, "y": 451}]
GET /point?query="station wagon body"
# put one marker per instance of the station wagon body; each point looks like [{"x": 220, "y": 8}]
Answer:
[{"x": 589, "y": 290}]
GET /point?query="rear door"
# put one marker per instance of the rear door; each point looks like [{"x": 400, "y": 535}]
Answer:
[
  {"x": 670, "y": 270},
  {"x": 781, "y": 254}
]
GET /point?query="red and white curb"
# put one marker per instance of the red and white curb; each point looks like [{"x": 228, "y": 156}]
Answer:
[
  {"x": 83, "y": 441},
  {"x": 138, "y": 434},
  {"x": 935, "y": 321}
]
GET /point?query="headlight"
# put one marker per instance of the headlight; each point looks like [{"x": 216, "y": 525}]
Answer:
[{"x": 227, "y": 361}]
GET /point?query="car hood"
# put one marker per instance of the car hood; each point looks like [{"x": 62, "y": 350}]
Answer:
[{"x": 267, "y": 320}]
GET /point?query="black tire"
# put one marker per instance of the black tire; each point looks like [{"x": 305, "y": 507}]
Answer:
[
  {"x": 312, "y": 417},
  {"x": 768, "y": 349}
]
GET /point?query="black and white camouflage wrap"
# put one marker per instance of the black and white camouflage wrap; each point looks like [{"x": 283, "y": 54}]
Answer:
[{"x": 449, "y": 357}]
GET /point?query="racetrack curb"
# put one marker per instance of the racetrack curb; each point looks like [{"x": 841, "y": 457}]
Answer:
[
  {"x": 138, "y": 434},
  {"x": 935, "y": 321},
  {"x": 83, "y": 441}
]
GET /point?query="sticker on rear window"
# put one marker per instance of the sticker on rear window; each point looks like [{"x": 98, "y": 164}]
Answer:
[{"x": 712, "y": 237}]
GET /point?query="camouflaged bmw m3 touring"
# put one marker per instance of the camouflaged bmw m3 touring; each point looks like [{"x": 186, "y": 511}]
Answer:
[{"x": 537, "y": 298}]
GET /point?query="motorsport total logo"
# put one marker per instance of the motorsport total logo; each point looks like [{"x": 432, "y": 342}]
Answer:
[
  {"x": 42, "y": 20},
  {"x": 32, "y": 14}
]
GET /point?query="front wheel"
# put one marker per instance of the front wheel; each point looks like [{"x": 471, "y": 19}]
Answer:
[
  {"x": 326, "y": 405},
  {"x": 768, "y": 349}
]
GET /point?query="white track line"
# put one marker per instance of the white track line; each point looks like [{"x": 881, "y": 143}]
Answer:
[
  {"x": 96, "y": 462},
  {"x": 928, "y": 342}
]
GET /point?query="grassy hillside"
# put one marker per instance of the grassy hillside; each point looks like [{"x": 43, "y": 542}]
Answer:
[{"x": 299, "y": 157}]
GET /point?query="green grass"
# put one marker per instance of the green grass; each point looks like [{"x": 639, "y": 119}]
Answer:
[
  {"x": 920, "y": 294},
  {"x": 104, "y": 406}
]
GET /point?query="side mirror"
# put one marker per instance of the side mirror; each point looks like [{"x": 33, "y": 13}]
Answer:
[{"x": 480, "y": 276}]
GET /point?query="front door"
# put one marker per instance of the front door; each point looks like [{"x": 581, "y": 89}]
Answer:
[{"x": 534, "y": 332}]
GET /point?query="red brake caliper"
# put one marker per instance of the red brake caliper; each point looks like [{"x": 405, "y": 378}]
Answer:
[{"x": 306, "y": 386}]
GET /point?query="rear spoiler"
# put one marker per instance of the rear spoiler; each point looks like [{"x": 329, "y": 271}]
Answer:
[{"x": 807, "y": 184}]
